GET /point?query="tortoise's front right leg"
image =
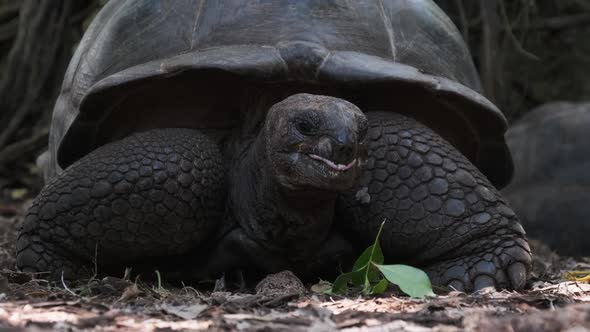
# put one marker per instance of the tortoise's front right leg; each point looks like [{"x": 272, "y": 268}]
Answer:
[{"x": 151, "y": 195}]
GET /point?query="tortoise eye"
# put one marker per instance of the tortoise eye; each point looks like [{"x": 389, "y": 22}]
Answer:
[
  {"x": 306, "y": 127},
  {"x": 307, "y": 123}
]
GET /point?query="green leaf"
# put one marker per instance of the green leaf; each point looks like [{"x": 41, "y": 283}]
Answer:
[
  {"x": 410, "y": 280},
  {"x": 367, "y": 270},
  {"x": 340, "y": 285},
  {"x": 380, "y": 287},
  {"x": 372, "y": 254},
  {"x": 363, "y": 259},
  {"x": 366, "y": 287}
]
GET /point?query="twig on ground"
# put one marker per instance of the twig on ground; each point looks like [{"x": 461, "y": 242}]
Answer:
[{"x": 66, "y": 286}]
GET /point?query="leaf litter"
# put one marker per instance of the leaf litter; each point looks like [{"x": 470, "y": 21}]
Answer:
[{"x": 553, "y": 301}]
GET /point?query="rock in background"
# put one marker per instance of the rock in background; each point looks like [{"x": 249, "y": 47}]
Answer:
[
  {"x": 550, "y": 190},
  {"x": 529, "y": 52}
]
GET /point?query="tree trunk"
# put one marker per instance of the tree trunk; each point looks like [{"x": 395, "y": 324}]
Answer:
[
  {"x": 42, "y": 35},
  {"x": 488, "y": 65},
  {"x": 37, "y": 39}
]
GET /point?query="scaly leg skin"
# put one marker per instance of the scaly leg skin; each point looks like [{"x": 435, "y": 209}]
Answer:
[
  {"x": 151, "y": 195},
  {"x": 441, "y": 213}
]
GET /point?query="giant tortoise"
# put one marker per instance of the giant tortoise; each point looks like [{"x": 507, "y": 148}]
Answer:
[
  {"x": 551, "y": 187},
  {"x": 199, "y": 137}
]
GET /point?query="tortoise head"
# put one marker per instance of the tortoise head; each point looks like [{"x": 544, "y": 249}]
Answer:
[{"x": 315, "y": 142}]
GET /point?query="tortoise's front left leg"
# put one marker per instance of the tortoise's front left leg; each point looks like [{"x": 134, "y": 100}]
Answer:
[
  {"x": 441, "y": 213},
  {"x": 152, "y": 195}
]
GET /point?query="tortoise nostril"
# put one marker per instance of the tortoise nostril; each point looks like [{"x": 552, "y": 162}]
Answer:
[
  {"x": 343, "y": 153},
  {"x": 339, "y": 153},
  {"x": 325, "y": 147}
]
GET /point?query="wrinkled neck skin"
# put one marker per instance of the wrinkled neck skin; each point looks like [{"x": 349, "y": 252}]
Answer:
[{"x": 293, "y": 222}]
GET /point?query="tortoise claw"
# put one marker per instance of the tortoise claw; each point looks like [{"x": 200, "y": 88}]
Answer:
[
  {"x": 508, "y": 269},
  {"x": 456, "y": 285},
  {"x": 517, "y": 273},
  {"x": 484, "y": 282}
]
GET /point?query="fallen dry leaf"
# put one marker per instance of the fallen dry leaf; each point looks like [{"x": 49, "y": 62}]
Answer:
[
  {"x": 19, "y": 193},
  {"x": 130, "y": 292},
  {"x": 321, "y": 287},
  {"x": 579, "y": 276},
  {"x": 184, "y": 311}
]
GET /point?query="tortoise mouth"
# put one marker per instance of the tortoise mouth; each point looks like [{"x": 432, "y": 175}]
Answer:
[
  {"x": 333, "y": 165},
  {"x": 311, "y": 171}
]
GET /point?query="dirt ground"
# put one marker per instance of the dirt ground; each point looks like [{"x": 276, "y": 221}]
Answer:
[{"x": 280, "y": 303}]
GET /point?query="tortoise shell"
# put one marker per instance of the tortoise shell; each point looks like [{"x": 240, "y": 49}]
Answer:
[{"x": 193, "y": 63}]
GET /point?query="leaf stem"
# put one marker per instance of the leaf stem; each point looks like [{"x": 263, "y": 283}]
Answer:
[{"x": 370, "y": 262}]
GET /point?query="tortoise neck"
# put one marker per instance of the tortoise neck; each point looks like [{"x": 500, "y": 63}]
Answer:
[{"x": 275, "y": 216}]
